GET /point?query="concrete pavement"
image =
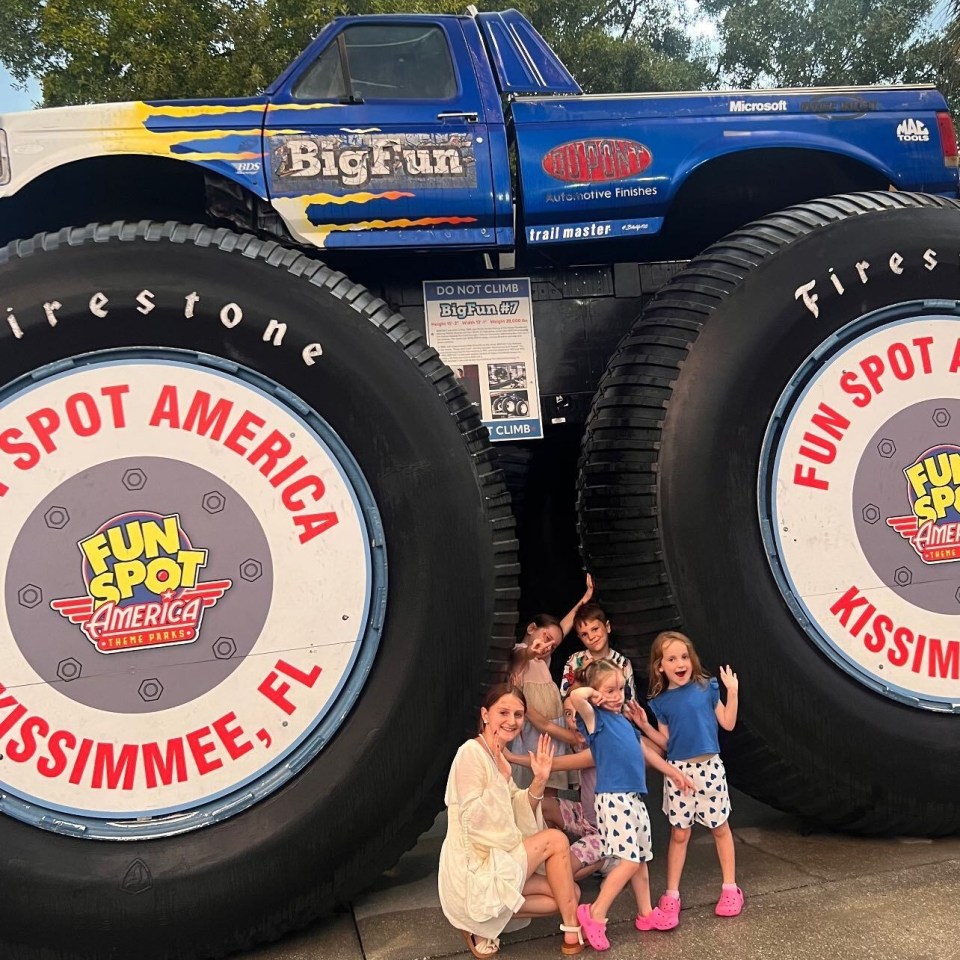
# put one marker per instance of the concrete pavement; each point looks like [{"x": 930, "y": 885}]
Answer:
[{"x": 809, "y": 896}]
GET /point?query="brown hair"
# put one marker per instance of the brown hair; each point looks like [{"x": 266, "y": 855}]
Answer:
[
  {"x": 592, "y": 671},
  {"x": 657, "y": 682},
  {"x": 494, "y": 694},
  {"x": 545, "y": 620},
  {"x": 540, "y": 621},
  {"x": 587, "y": 612}
]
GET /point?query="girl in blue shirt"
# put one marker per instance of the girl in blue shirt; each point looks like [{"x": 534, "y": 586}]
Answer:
[
  {"x": 686, "y": 702},
  {"x": 620, "y": 755}
]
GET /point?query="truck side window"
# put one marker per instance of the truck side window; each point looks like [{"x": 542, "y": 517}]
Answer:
[
  {"x": 324, "y": 79},
  {"x": 386, "y": 62}
]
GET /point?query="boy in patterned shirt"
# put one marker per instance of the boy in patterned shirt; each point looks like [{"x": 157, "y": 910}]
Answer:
[{"x": 593, "y": 629}]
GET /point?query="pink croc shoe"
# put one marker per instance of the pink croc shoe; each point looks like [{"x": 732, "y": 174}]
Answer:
[
  {"x": 669, "y": 907},
  {"x": 594, "y": 930},
  {"x": 656, "y": 919},
  {"x": 730, "y": 903}
]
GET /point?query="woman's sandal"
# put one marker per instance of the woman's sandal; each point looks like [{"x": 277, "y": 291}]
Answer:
[
  {"x": 481, "y": 947},
  {"x": 594, "y": 930},
  {"x": 572, "y": 949}
]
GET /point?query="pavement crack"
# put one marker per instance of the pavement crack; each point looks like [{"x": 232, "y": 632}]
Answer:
[{"x": 356, "y": 930}]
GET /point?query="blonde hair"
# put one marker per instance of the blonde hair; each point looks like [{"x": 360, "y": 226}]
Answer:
[
  {"x": 657, "y": 682},
  {"x": 590, "y": 673}
]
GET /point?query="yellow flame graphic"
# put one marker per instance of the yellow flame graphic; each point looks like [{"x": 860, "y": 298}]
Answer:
[
  {"x": 325, "y": 198},
  {"x": 323, "y": 230}
]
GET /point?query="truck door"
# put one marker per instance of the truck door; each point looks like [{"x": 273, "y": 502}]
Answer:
[{"x": 379, "y": 139}]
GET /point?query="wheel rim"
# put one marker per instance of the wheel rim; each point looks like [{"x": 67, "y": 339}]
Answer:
[
  {"x": 241, "y": 672},
  {"x": 863, "y": 554}
]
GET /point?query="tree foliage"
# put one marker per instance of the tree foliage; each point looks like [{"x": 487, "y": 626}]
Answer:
[
  {"x": 621, "y": 45},
  {"x": 822, "y": 42},
  {"x": 101, "y": 50},
  {"x": 82, "y": 51}
]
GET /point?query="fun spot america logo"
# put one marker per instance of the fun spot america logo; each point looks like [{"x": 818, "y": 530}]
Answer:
[
  {"x": 143, "y": 587},
  {"x": 933, "y": 489}
]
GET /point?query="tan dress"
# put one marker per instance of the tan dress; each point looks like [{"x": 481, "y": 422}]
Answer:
[
  {"x": 542, "y": 695},
  {"x": 483, "y": 863}
]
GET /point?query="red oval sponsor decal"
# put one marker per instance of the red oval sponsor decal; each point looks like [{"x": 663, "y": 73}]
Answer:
[{"x": 596, "y": 160}]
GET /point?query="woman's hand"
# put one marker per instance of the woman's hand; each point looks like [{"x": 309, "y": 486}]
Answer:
[{"x": 541, "y": 762}]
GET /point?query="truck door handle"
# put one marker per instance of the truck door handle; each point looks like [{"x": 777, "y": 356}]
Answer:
[{"x": 469, "y": 116}]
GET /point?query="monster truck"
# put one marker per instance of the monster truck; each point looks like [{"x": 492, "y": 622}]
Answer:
[{"x": 260, "y": 558}]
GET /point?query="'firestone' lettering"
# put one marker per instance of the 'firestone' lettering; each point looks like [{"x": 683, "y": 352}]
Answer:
[
  {"x": 231, "y": 315},
  {"x": 805, "y": 291}
]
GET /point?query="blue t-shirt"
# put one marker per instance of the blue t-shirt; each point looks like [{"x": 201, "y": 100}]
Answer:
[
  {"x": 617, "y": 754},
  {"x": 690, "y": 715}
]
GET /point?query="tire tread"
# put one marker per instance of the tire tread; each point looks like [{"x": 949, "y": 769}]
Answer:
[{"x": 634, "y": 394}]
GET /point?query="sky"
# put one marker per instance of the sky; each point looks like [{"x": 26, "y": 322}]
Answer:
[{"x": 11, "y": 99}]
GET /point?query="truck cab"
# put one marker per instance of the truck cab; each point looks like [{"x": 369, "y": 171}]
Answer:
[
  {"x": 467, "y": 135},
  {"x": 389, "y": 125}
]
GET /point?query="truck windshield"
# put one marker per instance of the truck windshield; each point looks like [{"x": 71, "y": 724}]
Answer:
[{"x": 386, "y": 62}]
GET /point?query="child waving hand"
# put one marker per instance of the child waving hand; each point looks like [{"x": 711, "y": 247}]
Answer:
[
  {"x": 686, "y": 702},
  {"x": 620, "y": 755}
]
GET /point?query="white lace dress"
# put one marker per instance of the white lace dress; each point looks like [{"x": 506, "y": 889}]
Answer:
[{"x": 483, "y": 863}]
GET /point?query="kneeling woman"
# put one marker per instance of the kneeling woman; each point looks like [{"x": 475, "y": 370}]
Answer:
[{"x": 496, "y": 838}]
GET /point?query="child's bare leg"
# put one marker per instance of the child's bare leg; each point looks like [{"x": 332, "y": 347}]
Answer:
[
  {"x": 723, "y": 837},
  {"x": 550, "y": 807},
  {"x": 612, "y": 884},
  {"x": 677, "y": 855},
  {"x": 581, "y": 870},
  {"x": 640, "y": 882},
  {"x": 586, "y": 855}
]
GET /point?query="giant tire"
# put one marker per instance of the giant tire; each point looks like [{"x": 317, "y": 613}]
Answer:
[
  {"x": 439, "y": 615},
  {"x": 692, "y": 515}
]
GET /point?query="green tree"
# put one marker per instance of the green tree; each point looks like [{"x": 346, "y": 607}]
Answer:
[
  {"x": 622, "y": 45},
  {"x": 946, "y": 55},
  {"x": 83, "y": 52},
  {"x": 824, "y": 42}
]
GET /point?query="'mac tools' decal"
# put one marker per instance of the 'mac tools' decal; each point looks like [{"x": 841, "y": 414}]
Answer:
[
  {"x": 141, "y": 575},
  {"x": 596, "y": 160},
  {"x": 933, "y": 529}
]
